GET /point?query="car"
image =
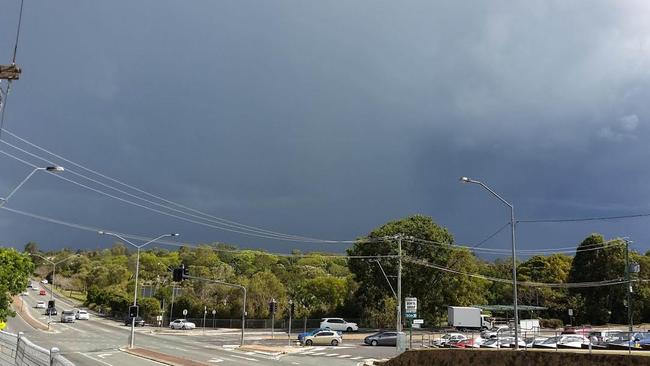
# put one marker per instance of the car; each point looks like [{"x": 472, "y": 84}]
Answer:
[
  {"x": 182, "y": 324},
  {"x": 500, "y": 330},
  {"x": 490, "y": 343},
  {"x": 50, "y": 311},
  {"x": 139, "y": 322},
  {"x": 563, "y": 341},
  {"x": 324, "y": 337},
  {"x": 44, "y": 281},
  {"x": 312, "y": 332},
  {"x": 449, "y": 337},
  {"x": 468, "y": 343},
  {"x": 24, "y": 293},
  {"x": 40, "y": 305},
  {"x": 82, "y": 315},
  {"x": 338, "y": 324},
  {"x": 381, "y": 339},
  {"x": 42, "y": 292},
  {"x": 67, "y": 316}
]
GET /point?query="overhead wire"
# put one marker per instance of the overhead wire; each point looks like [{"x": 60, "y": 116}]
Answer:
[
  {"x": 68, "y": 170},
  {"x": 4, "y": 95},
  {"x": 582, "y": 219},
  {"x": 214, "y": 219},
  {"x": 612, "y": 282},
  {"x": 173, "y": 243},
  {"x": 59, "y": 176}
]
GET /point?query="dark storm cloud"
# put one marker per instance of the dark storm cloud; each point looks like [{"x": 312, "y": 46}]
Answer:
[{"x": 327, "y": 119}]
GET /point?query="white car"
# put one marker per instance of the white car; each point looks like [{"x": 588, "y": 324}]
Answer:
[
  {"x": 338, "y": 324},
  {"x": 44, "y": 281},
  {"x": 40, "y": 305},
  {"x": 563, "y": 341},
  {"x": 449, "y": 337},
  {"x": 323, "y": 338},
  {"x": 182, "y": 324},
  {"x": 82, "y": 315},
  {"x": 25, "y": 293}
]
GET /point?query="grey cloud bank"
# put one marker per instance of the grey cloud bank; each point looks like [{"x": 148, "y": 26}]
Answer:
[{"x": 327, "y": 119}]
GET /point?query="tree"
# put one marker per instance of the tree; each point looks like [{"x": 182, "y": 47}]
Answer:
[
  {"x": 596, "y": 261},
  {"x": 433, "y": 288},
  {"x": 31, "y": 248},
  {"x": 15, "y": 269}
]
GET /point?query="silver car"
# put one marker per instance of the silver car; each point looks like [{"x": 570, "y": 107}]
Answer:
[{"x": 67, "y": 316}]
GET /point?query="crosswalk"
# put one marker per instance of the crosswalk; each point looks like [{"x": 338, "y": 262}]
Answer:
[{"x": 333, "y": 352}]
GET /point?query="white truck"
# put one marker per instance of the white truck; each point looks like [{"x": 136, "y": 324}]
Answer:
[
  {"x": 465, "y": 318},
  {"x": 529, "y": 325}
]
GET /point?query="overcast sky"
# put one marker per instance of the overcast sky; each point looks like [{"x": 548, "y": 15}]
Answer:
[{"x": 328, "y": 118}]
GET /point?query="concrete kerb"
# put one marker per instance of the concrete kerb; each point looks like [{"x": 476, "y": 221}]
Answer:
[
  {"x": 161, "y": 357},
  {"x": 27, "y": 317}
]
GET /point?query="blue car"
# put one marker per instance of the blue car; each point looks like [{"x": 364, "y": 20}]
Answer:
[{"x": 301, "y": 336}]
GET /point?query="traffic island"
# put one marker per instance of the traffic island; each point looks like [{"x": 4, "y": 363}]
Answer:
[
  {"x": 485, "y": 357},
  {"x": 162, "y": 357},
  {"x": 269, "y": 350},
  {"x": 20, "y": 309}
]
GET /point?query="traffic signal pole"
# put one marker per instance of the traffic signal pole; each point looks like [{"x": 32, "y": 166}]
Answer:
[{"x": 184, "y": 275}]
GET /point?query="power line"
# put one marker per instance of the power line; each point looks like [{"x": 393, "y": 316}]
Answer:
[
  {"x": 20, "y": 21},
  {"x": 208, "y": 217},
  {"x": 261, "y": 231},
  {"x": 176, "y": 244},
  {"x": 612, "y": 282},
  {"x": 176, "y": 216},
  {"x": 581, "y": 219}
]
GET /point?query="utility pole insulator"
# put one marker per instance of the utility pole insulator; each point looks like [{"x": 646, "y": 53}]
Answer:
[{"x": 10, "y": 72}]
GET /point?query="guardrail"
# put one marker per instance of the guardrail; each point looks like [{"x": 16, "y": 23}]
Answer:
[{"x": 17, "y": 350}]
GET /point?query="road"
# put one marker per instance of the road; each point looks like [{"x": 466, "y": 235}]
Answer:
[{"x": 98, "y": 342}]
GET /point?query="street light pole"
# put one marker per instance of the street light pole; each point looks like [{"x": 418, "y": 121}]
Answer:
[
  {"x": 399, "y": 284},
  {"x": 137, "y": 270},
  {"x": 514, "y": 252},
  {"x": 54, "y": 264},
  {"x": 51, "y": 169}
]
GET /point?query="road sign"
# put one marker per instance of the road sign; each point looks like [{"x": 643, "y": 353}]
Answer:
[
  {"x": 184, "y": 311},
  {"x": 418, "y": 321},
  {"x": 570, "y": 312},
  {"x": 214, "y": 312},
  {"x": 410, "y": 315},
  {"x": 410, "y": 305}
]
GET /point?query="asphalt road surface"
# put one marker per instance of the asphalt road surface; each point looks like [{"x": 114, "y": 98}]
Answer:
[{"x": 98, "y": 341}]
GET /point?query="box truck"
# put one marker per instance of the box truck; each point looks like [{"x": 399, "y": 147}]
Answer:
[{"x": 465, "y": 318}]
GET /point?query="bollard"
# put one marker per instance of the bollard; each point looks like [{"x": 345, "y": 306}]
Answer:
[{"x": 53, "y": 352}]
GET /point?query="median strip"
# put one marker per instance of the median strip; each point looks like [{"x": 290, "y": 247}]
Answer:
[{"x": 162, "y": 357}]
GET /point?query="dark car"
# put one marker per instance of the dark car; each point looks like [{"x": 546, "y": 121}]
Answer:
[
  {"x": 381, "y": 339},
  {"x": 50, "y": 311},
  {"x": 139, "y": 322}
]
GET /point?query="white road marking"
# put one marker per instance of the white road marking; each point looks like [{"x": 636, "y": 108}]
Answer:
[
  {"x": 104, "y": 355},
  {"x": 356, "y": 358},
  {"x": 94, "y": 359},
  {"x": 343, "y": 356},
  {"x": 331, "y": 354},
  {"x": 318, "y": 353},
  {"x": 245, "y": 358},
  {"x": 215, "y": 360}
]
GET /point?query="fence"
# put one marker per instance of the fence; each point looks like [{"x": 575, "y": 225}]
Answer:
[
  {"x": 16, "y": 350},
  {"x": 589, "y": 339},
  {"x": 297, "y": 325}
]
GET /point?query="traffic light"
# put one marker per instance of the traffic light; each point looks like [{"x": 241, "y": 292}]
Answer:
[
  {"x": 179, "y": 274},
  {"x": 50, "y": 304},
  {"x": 293, "y": 309},
  {"x": 133, "y": 311},
  {"x": 273, "y": 307}
]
